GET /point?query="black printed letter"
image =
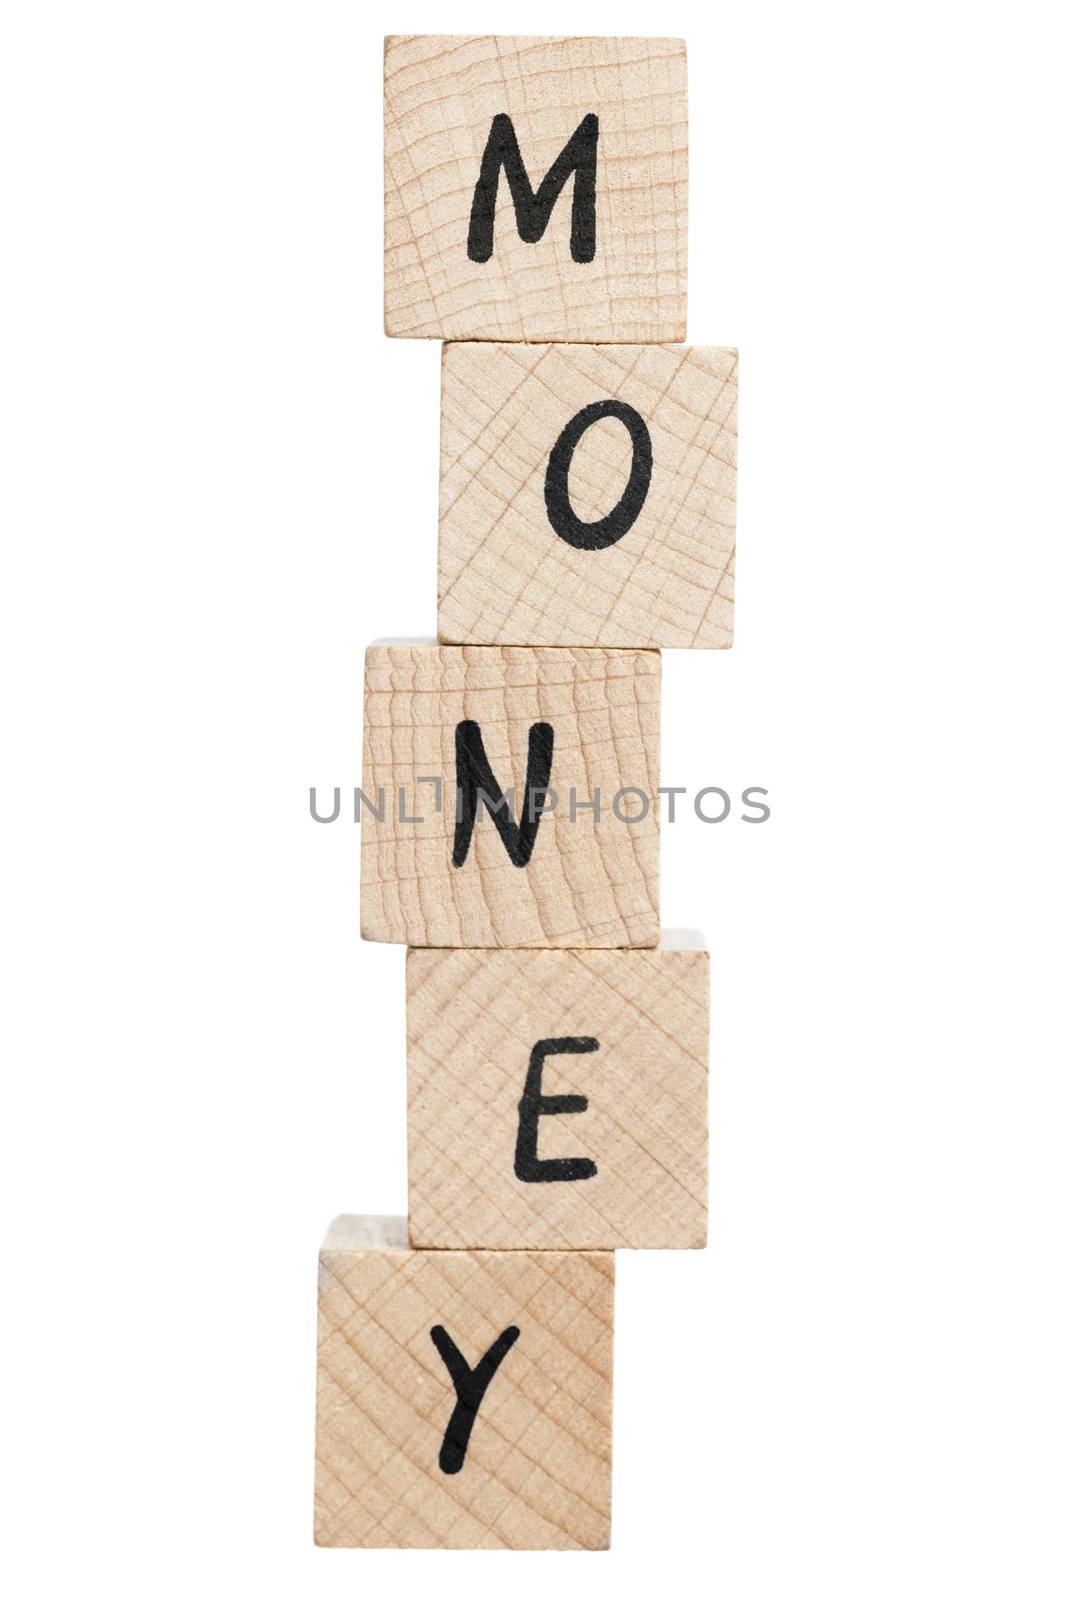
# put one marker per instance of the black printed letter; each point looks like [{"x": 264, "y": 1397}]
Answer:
[
  {"x": 533, "y": 209},
  {"x": 470, "y": 1386},
  {"x": 609, "y": 529},
  {"x": 475, "y": 780},
  {"x": 535, "y": 1104}
]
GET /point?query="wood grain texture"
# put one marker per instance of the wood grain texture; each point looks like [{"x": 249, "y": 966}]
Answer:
[
  {"x": 536, "y": 1473},
  {"x": 472, "y": 1020},
  {"x": 587, "y": 883},
  {"x": 506, "y": 577},
  {"x": 440, "y": 96}
]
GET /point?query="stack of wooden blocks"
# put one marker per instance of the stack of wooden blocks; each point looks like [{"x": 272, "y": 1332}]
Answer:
[{"x": 536, "y": 216}]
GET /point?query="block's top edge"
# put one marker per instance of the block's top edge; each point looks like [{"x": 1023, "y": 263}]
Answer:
[
  {"x": 688, "y": 941},
  {"x": 490, "y": 347},
  {"x": 351, "y": 1235},
  {"x": 367, "y": 1233},
  {"x": 488, "y": 650},
  {"x": 393, "y": 39}
]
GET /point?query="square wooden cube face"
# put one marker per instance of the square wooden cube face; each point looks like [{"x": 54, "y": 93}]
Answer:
[
  {"x": 497, "y": 1157},
  {"x": 477, "y": 130},
  {"x": 587, "y": 495},
  {"x": 395, "y": 1466},
  {"x": 444, "y": 725}
]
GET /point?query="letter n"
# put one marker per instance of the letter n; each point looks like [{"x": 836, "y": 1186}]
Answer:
[{"x": 476, "y": 781}]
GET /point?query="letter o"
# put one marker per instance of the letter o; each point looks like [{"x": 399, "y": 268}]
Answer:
[
  {"x": 701, "y": 814},
  {"x": 623, "y": 816},
  {"x": 609, "y": 529}
]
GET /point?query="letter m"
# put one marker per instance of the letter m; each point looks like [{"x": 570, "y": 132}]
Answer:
[{"x": 533, "y": 207}]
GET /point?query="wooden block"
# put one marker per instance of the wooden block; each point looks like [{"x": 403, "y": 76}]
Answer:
[
  {"x": 511, "y": 723},
  {"x": 528, "y": 1336},
  {"x": 587, "y": 495},
  {"x": 497, "y": 1159},
  {"x": 579, "y": 144}
]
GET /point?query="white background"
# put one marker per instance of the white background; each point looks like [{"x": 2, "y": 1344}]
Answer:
[{"x": 219, "y": 484}]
